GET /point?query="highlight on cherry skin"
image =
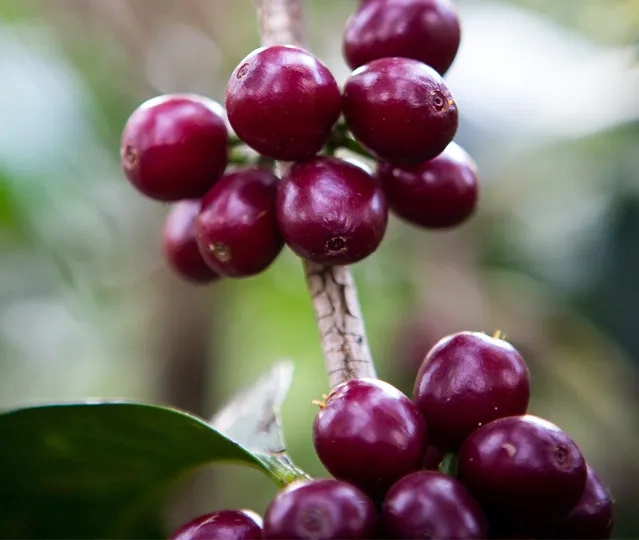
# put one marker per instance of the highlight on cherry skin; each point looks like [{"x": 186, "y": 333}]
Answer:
[
  {"x": 175, "y": 146},
  {"x": 467, "y": 380},
  {"x": 223, "y": 525},
  {"x": 523, "y": 467},
  {"x": 370, "y": 434},
  {"x": 400, "y": 109},
  {"x": 283, "y": 102},
  {"x": 330, "y": 211}
]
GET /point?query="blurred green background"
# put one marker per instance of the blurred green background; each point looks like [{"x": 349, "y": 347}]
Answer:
[{"x": 549, "y": 99}]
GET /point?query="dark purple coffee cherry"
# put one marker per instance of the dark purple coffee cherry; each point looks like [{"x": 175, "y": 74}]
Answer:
[
  {"x": 237, "y": 230},
  {"x": 180, "y": 247},
  {"x": 330, "y": 211},
  {"x": 222, "y": 525},
  {"x": 591, "y": 518},
  {"x": 282, "y": 101},
  {"x": 320, "y": 509},
  {"x": 436, "y": 194},
  {"x": 400, "y": 109},
  {"x": 175, "y": 146},
  {"x": 523, "y": 468},
  {"x": 467, "y": 380},
  {"x": 369, "y": 434},
  {"x": 425, "y": 30},
  {"x": 428, "y": 504}
]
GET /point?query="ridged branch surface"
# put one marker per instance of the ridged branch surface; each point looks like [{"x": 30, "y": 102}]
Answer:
[
  {"x": 281, "y": 22},
  {"x": 337, "y": 311}
]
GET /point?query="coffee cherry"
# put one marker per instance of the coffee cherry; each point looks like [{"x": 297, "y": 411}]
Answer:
[
  {"x": 330, "y": 211},
  {"x": 439, "y": 193},
  {"x": 427, "y": 504},
  {"x": 175, "y": 146},
  {"x": 282, "y": 101},
  {"x": 523, "y": 468},
  {"x": 222, "y": 525},
  {"x": 236, "y": 230},
  {"x": 425, "y": 30},
  {"x": 591, "y": 518},
  {"x": 467, "y": 380},
  {"x": 317, "y": 509},
  {"x": 180, "y": 247},
  {"x": 400, "y": 109},
  {"x": 369, "y": 434}
]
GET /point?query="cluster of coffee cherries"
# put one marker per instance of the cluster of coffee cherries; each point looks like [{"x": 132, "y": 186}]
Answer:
[
  {"x": 232, "y": 216},
  {"x": 462, "y": 459}
]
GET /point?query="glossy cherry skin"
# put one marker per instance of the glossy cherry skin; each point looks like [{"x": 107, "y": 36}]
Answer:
[
  {"x": 175, "y": 146},
  {"x": 323, "y": 508},
  {"x": 467, "y": 380},
  {"x": 425, "y": 30},
  {"x": 369, "y": 434},
  {"x": 523, "y": 468},
  {"x": 282, "y": 101},
  {"x": 400, "y": 109},
  {"x": 330, "y": 211},
  {"x": 180, "y": 246},
  {"x": 236, "y": 229},
  {"x": 435, "y": 194},
  {"x": 591, "y": 518},
  {"x": 428, "y": 504},
  {"x": 222, "y": 525}
]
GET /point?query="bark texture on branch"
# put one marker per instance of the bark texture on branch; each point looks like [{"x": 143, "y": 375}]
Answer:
[
  {"x": 340, "y": 323},
  {"x": 337, "y": 311},
  {"x": 281, "y": 22}
]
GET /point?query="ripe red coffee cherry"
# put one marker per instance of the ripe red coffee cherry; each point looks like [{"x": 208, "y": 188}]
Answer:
[
  {"x": 330, "y": 211},
  {"x": 522, "y": 467},
  {"x": 237, "y": 230},
  {"x": 436, "y": 194},
  {"x": 282, "y": 101},
  {"x": 179, "y": 245},
  {"x": 222, "y": 525},
  {"x": 425, "y": 30},
  {"x": 427, "y": 504},
  {"x": 369, "y": 434},
  {"x": 316, "y": 509},
  {"x": 467, "y": 380},
  {"x": 591, "y": 518},
  {"x": 175, "y": 146},
  {"x": 400, "y": 109}
]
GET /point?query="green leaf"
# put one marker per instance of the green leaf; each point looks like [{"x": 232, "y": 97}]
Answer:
[{"x": 101, "y": 470}]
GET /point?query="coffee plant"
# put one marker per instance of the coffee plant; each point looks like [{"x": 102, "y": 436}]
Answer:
[{"x": 293, "y": 160}]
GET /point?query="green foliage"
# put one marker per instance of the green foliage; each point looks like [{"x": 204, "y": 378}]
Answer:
[{"x": 101, "y": 470}]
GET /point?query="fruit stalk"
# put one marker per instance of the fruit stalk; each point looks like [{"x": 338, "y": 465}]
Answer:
[{"x": 334, "y": 295}]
